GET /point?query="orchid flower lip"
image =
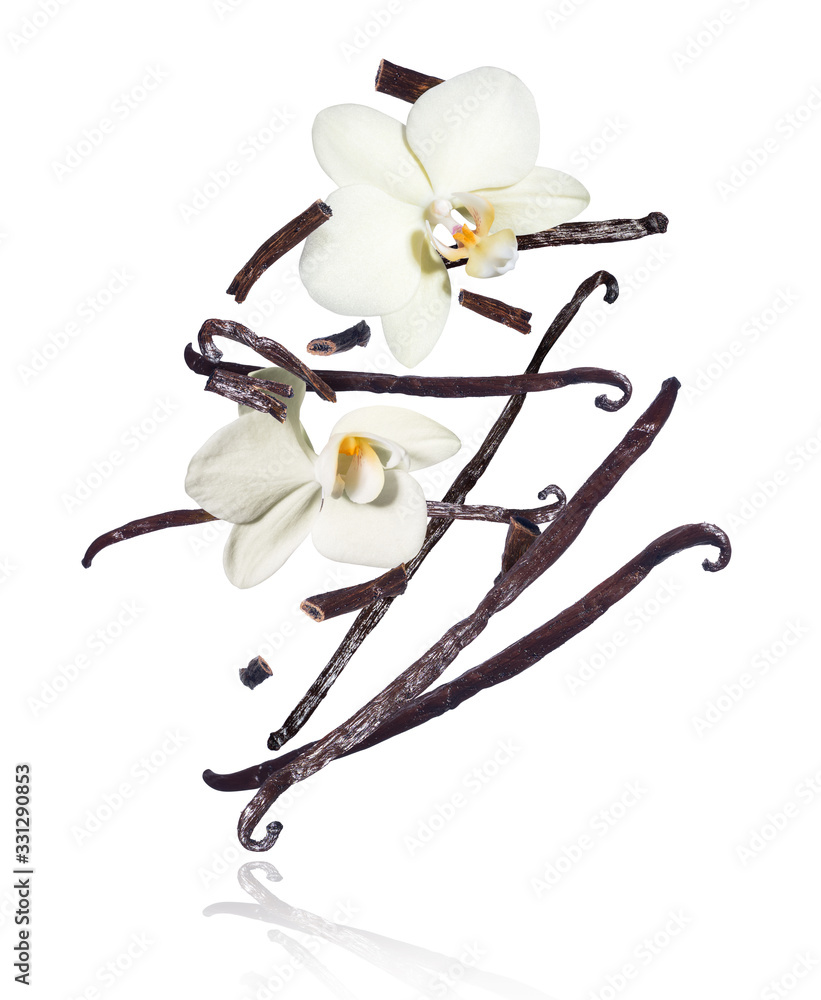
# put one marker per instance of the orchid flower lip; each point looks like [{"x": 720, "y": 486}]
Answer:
[{"x": 355, "y": 464}]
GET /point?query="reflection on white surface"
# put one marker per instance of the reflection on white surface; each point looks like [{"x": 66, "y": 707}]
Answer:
[{"x": 429, "y": 973}]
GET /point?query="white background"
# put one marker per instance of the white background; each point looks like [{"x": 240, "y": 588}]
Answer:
[{"x": 653, "y": 106}]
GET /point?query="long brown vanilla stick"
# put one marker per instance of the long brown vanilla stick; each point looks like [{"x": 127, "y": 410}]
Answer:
[
  {"x": 367, "y": 620},
  {"x": 423, "y": 672},
  {"x": 432, "y": 386},
  {"x": 516, "y": 657}
]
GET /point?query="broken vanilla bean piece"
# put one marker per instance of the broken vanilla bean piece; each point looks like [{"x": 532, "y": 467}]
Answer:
[
  {"x": 340, "y": 602},
  {"x": 515, "y": 658},
  {"x": 144, "y": 526},
  {"x": 500, "y": 312},
  {"x": 367, "y": 619},
  {"x": 264, "y": 346},
  {"x": 285, "y": 239},
  {"x": 255, "y": 673},
  {"x": 521, "y": 534},
  {"x": 424, "y": 671},
  {"x": 406, "y": 84},
  {"x": 355, "y": 336},
  {"x": 249, "y": 391}
]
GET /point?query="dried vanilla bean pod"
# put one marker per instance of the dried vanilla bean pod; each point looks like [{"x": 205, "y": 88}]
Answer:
[
  {"x": 519, "y": 655},
  {"x": 533, "y": 647},
  {"x": 253, "y": 392},
  {"x": 347, "y": 599},
  {"x": 369, "y": 617},
  {"x": 406, "y": 84},
  {"x": 500, "y": 312},
  {"x": 500, "y": 515},
  {"x": 358, "y": 335},
  {"x": 285, "y": 239},
  {"x": 144, "y": 526},
  {"x": 265, "y": 347},
  {"x": 451, "y": 387},
  {"x": 574, "y": 233},
  {"x": 423, "y": 672},
  {"x": 462, "y": 387}
]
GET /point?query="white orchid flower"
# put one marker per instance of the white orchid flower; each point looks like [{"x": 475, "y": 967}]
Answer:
[
  {"x": 356, "y": 496},
  {"x": 470, "y": 144}
]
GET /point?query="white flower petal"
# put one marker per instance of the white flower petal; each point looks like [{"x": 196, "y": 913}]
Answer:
[
  {"x": 412, "y": 331},
  {"x": 327, "y": 464},
  {"x": 365, "y": 476},
  {"x": 365, "y": 259},
  {"x": 493, "y": 255},
  {"x": 425, "y": 441},
  {"x": 545, "y": 198},
  {"x": 384, "y": 533},
  {"x": 358, "y": 145},
  {"x": 256, "y": 550},
  {"x": 476, "y": 130},
  {"x": 249, "y": 465}
]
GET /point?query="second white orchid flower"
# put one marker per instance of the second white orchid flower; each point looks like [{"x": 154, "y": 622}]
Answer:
[
  {"x": 459, "y": 181},
  {"x": 356, "y": 497}
]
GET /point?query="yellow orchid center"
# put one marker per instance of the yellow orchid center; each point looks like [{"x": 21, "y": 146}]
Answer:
[{"x": 487, "y": 254}]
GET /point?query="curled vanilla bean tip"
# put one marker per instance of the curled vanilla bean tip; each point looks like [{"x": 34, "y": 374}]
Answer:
[
  {"x": 357, "y": 335},
  {"x": 556, "y": 491},
  {"x": 604, "y": 402},
  {"x": 273, "y": 831},
  {"x": 612, "y": 289},
  {"x": 611, "y": 405},
  {"x": 722, "y": 542},
  {"x": 255, "y": 673}
]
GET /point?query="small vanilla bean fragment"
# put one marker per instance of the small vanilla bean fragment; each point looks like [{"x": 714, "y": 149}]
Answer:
[
  {"x": 367, "y": 619},
  {"x": 515, "y": 658},
  {"x": 285, "y": 239},
  {"x": 255, "y": 673},
  {"x": 406, "y": 84},
  {"x": 521, "y": 534},
  {"x": 355, "y": 336},
  {"x": 144, "y": 526},
  {"x": 544, "y": 552},
  {"x": 606, "y": 231},
  {"x": 340, "y": 602},
  {"x": 250, "y": 391},
  {"x": 501, "y": 515},
  {"x": 500, "y": 312},
  {"x": 264, "y": 346}
]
